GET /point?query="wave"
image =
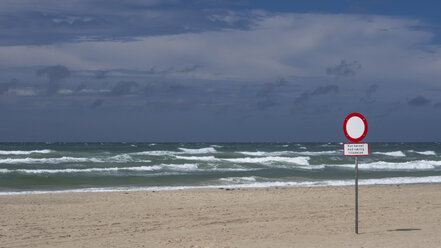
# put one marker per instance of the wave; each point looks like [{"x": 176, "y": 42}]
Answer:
[
  {"x": 20, "y": 152},
  {"x": 156, "y": 153},
  {"x": 199, "y": 158},
  {"x": 281, "y": 153},
  {"x": 238, "y": 179},
  {"x": 162, "y": 167},
  {"x": 349, "y": 182},
  {"x": 198, "y": 151},
  {"x": 171, "y": 153},
  {"x": 254, "y": 153},
  {"x": 173, "y": 167},
  {"x": 115, "y": 159},
  {"x": 427, "y": 153},
  {"x": 392, "y": 154},
  {"x": 381, "y": 165},
  {"x": 263, "y": 160},
  {"x": 320, "y": 153}
]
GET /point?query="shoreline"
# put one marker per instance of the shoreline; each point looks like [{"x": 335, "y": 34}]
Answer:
[
  {"x": 290, "y": 184},
  {"x": 390, "y": 216}
]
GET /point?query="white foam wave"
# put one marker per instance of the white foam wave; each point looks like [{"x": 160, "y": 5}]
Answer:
[
  {"x": 281, "y": 153},
  {"x": 198, "y": 151},
  {"x": 307, "y": 153},
  {"x": 238, "y": 179},
  {"x": 263, "y": 160},
  {"x": 254, "y": 153},
  {"x": 115, "y": 159},
  {"x": 198, "y": 158},
  {"x": 165, "y": 167},
  {"x": 156, "y": 153},
  {"x": 349, "y": 182},
  {"x": 381, "y": 165},
  {"x": 173, "y": 167},
  {"x": 180, "y": 167},
  {"x": 392, "y": 154},
  {"x": 24, "y": 152},
  {"x": 428, "y": 153}
]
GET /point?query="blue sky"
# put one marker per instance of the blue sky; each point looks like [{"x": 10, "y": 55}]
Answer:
[{"x": 229, "y": 71}]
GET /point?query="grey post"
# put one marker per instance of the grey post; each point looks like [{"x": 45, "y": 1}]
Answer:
[{"x": 356, "y": 194}]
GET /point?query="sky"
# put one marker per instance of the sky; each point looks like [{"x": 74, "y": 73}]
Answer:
[{"x": 218, "y": 70}]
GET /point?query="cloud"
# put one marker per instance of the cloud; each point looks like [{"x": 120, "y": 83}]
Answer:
[
  {"x": 418, "y": 101},
  {"x": 97, "y": 103},
  {"x": 437, "y": 105},
  {"x": 302, "y": 99},
  {"x": 50, "y": 22},
  {"x": 100, "y": 74},
  {"x": 321, "y": 90},
  {"x": 55, "y": 75},
  {"x": 123, "y": 88},
  {"x": 268, "y": 88},
  {"x": 190, "y": 68},
  {"x": 305, "y": 44},
  {"x": 344, "y": 69},
  {"x": 80, "y": 87},
  {"x": 266, "y": 103},
  {"x": 5, "y": 87},
  {"x": 371, "y": 90}
]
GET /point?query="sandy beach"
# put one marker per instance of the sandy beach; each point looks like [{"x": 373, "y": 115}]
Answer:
[{"x": 390, "y": 216}]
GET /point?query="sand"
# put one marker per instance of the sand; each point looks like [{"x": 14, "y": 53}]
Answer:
[{"x": 390, "y": 216}]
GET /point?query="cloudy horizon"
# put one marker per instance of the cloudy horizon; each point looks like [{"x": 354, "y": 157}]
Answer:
[{"x": 217, "y": 71}]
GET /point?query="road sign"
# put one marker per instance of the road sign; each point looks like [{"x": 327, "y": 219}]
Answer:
[
  {"x": 356, "y": 149},
  {"x": 355, "y": 127}
]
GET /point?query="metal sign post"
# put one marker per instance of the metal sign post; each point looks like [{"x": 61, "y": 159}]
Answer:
[
  {"x": 356, "y": 195},
  {"x": 355, "y": 129}
]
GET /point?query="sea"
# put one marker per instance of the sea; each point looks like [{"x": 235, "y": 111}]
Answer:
[{"x": 36, "y": 168}]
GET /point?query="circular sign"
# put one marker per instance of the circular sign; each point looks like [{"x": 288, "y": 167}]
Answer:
[{"x": 355, "y": 127}]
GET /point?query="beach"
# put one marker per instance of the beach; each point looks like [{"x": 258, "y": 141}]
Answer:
[{"x": 390, "y": 216}]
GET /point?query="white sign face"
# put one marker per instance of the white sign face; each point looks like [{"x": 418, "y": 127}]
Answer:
[
  {"x": 356, "y": 149},
  {"x": 355, "y": 127}
]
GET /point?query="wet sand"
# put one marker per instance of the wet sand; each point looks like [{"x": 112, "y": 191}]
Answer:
[{"x": 390, "y": 216}]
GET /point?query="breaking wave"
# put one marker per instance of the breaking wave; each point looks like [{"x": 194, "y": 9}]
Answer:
[
  {"x": 124, "y": 158},
  {"x": 24, "y": 152},
  {"x": 198, "y": 151},
  {"x": 392, "y": 154},
  {"x": 263, "y": 160}
]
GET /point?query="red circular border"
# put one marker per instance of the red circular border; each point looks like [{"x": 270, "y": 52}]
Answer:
[{"x": 346, "y": 132}]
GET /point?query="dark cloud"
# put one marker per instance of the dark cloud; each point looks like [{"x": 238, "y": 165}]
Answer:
[
  {"x": 80, "y": 87},
  {"x": 97, "y": 103},
  {"x": 344, "y": 69},
  {"x": 321, "y": 90},
  {"x": 418, "y": 101},
  {"x": 55, "y": 75},
  {"x": 163, "y": 88},
  {"x": 371, "y": 90},
  {"x": 96, "y": 20},
  {"x": 268, "y": 88},
  {"x": 437, "y": 105},
  {"x": 174, "y": 88},
  {"x": 154, "y": 71},
  {"x": 191, "y": 68},
  {"x": 4, "y": 87},
  {"x": 302, "y": 99},
  {"x": 100, "y": 74},
  {"x": 123, "y": 88},
  {"x": 266, "y": 104}
]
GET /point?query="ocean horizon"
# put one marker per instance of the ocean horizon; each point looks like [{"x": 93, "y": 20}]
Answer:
[{"x": 30, "y": 168}]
